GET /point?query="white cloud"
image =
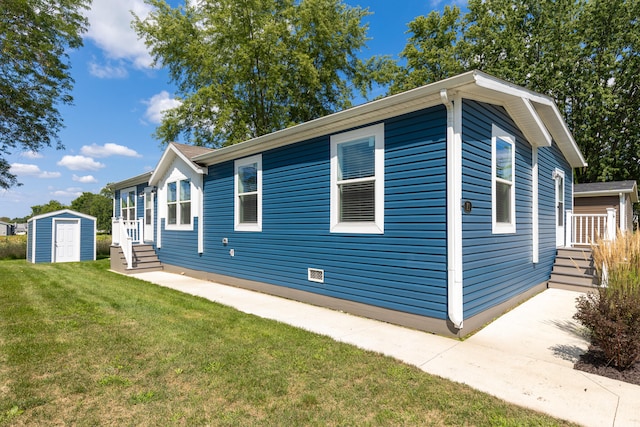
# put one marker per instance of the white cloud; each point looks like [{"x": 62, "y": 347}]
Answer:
[
  {"x": 108, "y": 149},
  {"x": 110, "y": 29},
  {"x": 32, "y": 170},
  {"x": 80, "y": 163},
  {"x": 158, "y": 104},
  {"x": 87, "y": 179},
  {"x": 108, "y": 71},
  {"x": 31, "y": 155},
  {"x": 71, "y": 192}
]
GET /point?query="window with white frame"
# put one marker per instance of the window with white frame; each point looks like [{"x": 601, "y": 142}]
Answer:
[
  {"x": 179, "y": 203},
  {"x": 128, "y": 204},
  {"x": 248, "y": 194},
  {"x": 357, "y": 181},
  {"x": 503, "y": 189}
]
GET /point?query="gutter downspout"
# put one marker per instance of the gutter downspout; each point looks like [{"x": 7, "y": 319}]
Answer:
[{"x": 454, "y": 210}]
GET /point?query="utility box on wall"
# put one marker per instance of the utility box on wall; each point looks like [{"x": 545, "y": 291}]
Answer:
[{"x": 61, "y": 236}]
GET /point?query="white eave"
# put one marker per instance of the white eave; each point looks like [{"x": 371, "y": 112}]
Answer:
[
  {"x": 130, "y": 182},
  {"x": 167, "y": 159},
  {"x": 536, "y": 115},
  {"x": 62, "y": 211}
]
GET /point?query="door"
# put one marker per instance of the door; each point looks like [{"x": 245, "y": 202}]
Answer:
[
  {"x": 559, "y": 179},
  {"x": 67, "y": 240},
  {"x": 148, "y": 216}
]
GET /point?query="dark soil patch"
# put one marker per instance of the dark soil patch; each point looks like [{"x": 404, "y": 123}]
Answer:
[{"x": 594, "y": 362}]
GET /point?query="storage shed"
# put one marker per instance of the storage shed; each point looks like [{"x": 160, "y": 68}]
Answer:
[{"x": 61, "y": 236}]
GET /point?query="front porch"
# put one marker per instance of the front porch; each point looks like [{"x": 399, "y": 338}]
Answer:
[{"x": 130, "y": 250}]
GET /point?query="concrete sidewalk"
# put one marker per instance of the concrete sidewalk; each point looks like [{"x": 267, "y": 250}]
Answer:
[{"x": 525, "y": 357}]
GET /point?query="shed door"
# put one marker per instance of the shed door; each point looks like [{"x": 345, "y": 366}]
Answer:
[{"x": 67, "y": 240}]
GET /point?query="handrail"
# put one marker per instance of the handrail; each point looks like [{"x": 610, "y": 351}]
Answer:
[
  {"x": 588, "y": 228},
  {"x": 124, "y": 234}
]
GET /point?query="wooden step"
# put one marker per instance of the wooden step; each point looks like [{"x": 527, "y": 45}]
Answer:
[{"x": 144, "y": 259}]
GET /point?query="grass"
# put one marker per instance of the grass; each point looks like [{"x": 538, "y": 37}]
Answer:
[{"x": 82, "y": 346}]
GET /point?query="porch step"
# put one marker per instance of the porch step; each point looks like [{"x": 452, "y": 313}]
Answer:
[
  {"x": 144, "y": 259},
  {"x": 573, "y": 270}
]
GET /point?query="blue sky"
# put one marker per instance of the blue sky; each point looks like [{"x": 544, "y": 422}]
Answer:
[{"x": 119, "y": 98}]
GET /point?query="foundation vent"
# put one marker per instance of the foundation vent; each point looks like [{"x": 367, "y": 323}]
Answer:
[{"x": 315, "y": 275}]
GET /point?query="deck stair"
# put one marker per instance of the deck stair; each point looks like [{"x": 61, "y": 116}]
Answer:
[
  {"x": 573, "y": 270},
  {"x": 144, "y": 259}
]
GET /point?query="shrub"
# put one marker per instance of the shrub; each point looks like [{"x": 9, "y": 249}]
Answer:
[
  {"x": 103, "y": 245},
  {"x": 13, "y": 247},
  {"x": 612, "y": 313}
]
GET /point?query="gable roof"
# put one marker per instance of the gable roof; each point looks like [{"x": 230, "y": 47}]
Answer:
[
  {"x": 537, "y": 115},
  {"x": 182, "y": 151},
  {"x": 613, "y": 188},
  {"x": 62, "y": 211}
]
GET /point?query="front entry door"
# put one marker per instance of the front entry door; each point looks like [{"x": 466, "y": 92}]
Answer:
[
  {"x": 67, "y": 241},
  {"x": 148, "y": 216},
  {"x": 559, "y": 178}
]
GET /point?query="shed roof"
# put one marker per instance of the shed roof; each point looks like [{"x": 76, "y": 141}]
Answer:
[
  {"x": 62, "y": 211},
  {"x": 612, "y": 188}
]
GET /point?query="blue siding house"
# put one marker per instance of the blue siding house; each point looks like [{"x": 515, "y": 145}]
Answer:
[
  {"x": 437, "y": 208},
  {"x": 61, "y": 236}
]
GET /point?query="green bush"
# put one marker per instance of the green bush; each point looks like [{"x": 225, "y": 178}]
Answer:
[
  {"x": 13, "y": 247},
  {"x": 612, "y": 313},
  {"x": 103, "y": 244}
]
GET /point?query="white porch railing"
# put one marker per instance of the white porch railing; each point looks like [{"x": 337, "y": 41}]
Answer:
[
  {"x": 584, "y": 229},
  {"x": 124, "y": 234}
]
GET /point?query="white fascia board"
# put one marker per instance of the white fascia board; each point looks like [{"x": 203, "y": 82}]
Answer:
[
  {"x": 131, "y": 182},
  {"x": 369, "y": 113},
  {"x": 167, "y": 159},
  {"x": 62, "y": 211},
  {"x": 552, "y": 118}
]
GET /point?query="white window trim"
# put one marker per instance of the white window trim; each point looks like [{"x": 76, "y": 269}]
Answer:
[
  {"x": 238, "y": 226},
  {"x": 177, "y": 226},
  {"x": 376, "y": 226},
  {"x": 499, "y": 227}
]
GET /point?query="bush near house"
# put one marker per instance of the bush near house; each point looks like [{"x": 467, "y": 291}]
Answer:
[
  {"x": 13, "y": 247},
  {"x": 612, "y": 313}
]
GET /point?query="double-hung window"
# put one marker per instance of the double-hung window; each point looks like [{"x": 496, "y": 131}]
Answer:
[
  {"x": 248, "y": 194},
  {"x": 179, "y": 203},
  {"x": 357, "y": 181},
  {"x": 503, "y": 189}
]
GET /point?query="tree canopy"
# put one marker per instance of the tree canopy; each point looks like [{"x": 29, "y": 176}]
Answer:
[
  {"x": 35, "y": 79},
  {"x": 585, "y": 54},
  {"x": 245, "y": 68},
  {"x": 99, "y": 206}
]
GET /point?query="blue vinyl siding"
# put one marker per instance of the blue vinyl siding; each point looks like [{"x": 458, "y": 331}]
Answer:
[
  {"x": 43, "y": 237},
  {"x": 404, "y": 269},
  {"x": 497, "y": 267}
]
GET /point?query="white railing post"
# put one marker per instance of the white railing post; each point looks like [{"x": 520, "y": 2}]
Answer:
[
  {"x": 115, "y": 231},
  {"x": 611, "y": 224},
  {"x": 568, "y": 229}
]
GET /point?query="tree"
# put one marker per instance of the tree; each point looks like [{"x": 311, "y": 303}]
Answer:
[
  {"x": 52, "y": 206},
  {"x": 245, "y": 68},
  {"x": 35, "y": 36},
  {"x": 583, "y": 53},
  {"x": 97, "y": 205}
]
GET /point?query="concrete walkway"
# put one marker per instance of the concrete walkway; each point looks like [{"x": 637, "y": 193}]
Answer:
[{"x": 525, "y": 357}]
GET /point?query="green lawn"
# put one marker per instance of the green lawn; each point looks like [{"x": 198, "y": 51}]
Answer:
[{"x": 82, "y": 346}]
